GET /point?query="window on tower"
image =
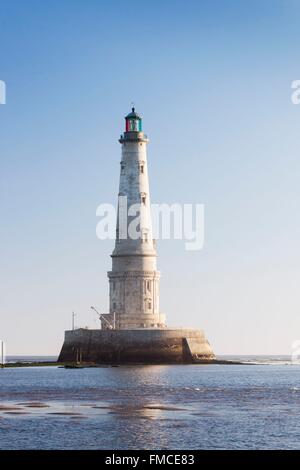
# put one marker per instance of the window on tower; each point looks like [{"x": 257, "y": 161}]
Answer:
[{"x": 144, "y": 236}]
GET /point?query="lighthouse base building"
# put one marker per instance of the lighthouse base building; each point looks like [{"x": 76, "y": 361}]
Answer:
[
  {"x": 134, "y": 330},
  {"x": 136, "y": 346}
]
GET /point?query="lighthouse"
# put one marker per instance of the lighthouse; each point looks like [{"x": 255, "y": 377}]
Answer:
[
  {"x": 134, "y": 331},
  {"x": 134, "y": 279}
]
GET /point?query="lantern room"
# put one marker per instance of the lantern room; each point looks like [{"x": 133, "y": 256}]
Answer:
[{"x": 133, "y": 122}]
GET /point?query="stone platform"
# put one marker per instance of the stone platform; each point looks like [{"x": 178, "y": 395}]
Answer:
[{"x": 138, "y": 346}]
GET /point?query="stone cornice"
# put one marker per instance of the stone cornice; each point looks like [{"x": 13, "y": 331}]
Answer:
[{"x": 142, "y": 274}]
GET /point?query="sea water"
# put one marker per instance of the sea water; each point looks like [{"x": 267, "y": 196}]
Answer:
[{"x": 250, "y": 406}]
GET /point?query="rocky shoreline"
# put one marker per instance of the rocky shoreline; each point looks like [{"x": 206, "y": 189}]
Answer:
[{"x": 72, "y": 365}]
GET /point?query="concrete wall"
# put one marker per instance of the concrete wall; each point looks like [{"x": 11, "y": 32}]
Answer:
[{"x": 146, "y": 346}]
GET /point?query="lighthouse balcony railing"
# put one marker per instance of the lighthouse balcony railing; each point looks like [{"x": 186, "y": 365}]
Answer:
[{"x": 133, "y": 135}]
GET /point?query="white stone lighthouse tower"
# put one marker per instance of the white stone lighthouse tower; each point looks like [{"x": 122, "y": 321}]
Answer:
[
  {"x": 134, "y": 279},
  {"x": 134, "y": 330}
]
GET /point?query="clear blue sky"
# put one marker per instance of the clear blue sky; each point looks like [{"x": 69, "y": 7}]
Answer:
[{"x": 212, "y": 80}]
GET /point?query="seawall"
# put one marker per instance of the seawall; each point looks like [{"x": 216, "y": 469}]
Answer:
[{"x": 143, "y": 346}]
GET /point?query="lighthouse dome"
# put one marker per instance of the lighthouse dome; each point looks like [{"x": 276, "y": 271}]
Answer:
[{"x": 133, "y": 115}]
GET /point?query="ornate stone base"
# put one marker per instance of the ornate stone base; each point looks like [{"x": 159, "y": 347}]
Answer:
[{"x": 139, "y": 346}]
